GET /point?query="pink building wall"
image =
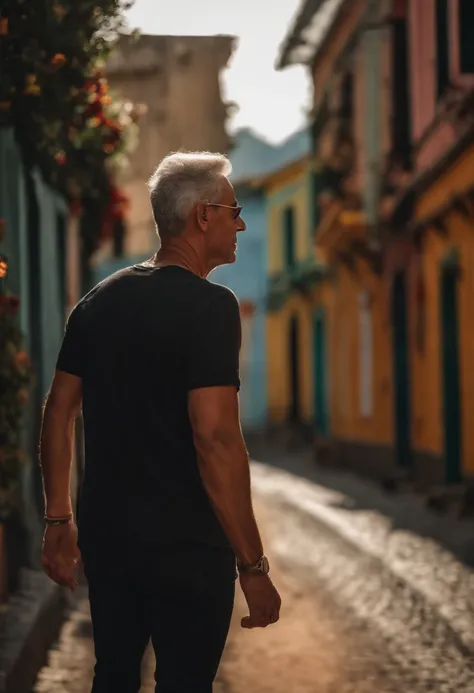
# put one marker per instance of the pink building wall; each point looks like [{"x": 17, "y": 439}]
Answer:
[
  {"x": 422, "y": 37},
  {"x": 457, "y": 77},
  {"x": 423, "y": 64}
]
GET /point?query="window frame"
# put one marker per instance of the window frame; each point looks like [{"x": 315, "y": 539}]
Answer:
[{"x": 458, "y": 78}]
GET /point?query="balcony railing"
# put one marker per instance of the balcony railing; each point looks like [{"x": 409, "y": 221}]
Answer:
[{"x": 302, "y": 277}]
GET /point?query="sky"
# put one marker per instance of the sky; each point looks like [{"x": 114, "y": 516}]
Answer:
[{"x": 272, "y": 103}]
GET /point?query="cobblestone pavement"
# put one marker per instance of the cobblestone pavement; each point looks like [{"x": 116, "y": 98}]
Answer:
[
  {"x": 367, "y": 608},
  {"x": 402, "y": 589}
]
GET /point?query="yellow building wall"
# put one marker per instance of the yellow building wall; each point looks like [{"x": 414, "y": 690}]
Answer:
[
  {"x": 340, "y": 299},
  {"x": 426, "y": 373},
  {"x": 278, "y": 366},
  {"x": 291, "y": 187}
]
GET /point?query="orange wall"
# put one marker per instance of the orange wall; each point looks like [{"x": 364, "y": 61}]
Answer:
[
  {"x": 427, "y": 395},
  {"x": 340, "y": 299}
]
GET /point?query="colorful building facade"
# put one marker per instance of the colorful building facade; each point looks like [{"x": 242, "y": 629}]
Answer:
[
  {"x": 393, "y": 139},
  {"x": 256, "y": 164},
  {"x": 293, "y": 273},
  {"x": 434, "y": 215},
  {"x": 351, "y": 333}
]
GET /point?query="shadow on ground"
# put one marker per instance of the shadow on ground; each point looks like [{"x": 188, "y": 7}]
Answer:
[{"x": 404, "y": 510}]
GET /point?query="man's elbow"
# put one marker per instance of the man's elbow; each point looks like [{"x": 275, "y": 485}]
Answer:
[
  {"x": 210, "y": 439},
  {"x": 57, "y": 413}
]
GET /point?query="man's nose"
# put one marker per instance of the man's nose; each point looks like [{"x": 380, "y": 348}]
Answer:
[{"x": 242, "y": 225}]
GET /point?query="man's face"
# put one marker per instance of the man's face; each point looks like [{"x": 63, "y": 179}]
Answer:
[{"x": 223, "y": 224}]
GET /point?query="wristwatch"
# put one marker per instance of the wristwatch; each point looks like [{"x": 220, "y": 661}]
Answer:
[{"x": 261, "y": 566}]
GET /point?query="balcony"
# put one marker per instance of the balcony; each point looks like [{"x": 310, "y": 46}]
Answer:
[
  {"x": 344, "y": 234},
  {"x": 302, "y": 278}
]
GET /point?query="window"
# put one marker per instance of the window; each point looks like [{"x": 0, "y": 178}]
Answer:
[
  {"x": 466, "y": 43},
  {"x": 289, "y": 237},
  {"x": 347, "y": 95},
  {"x": 442, "y": 46},
  {"x": 315, "y": 190},
  {"x": 401, "y": 119},
  {"x": 365, "y": 356}
]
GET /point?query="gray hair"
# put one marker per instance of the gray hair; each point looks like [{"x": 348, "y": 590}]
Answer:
[{"x": 182, "y": 180}]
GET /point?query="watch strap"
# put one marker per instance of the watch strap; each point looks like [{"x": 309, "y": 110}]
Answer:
[{"x": 260, "y": 566}]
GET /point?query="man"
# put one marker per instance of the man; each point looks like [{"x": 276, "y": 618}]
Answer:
[{"x": 151, "y": 354}]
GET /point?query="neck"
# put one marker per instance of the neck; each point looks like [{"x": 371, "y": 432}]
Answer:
[{"x": 183, "y": 256}]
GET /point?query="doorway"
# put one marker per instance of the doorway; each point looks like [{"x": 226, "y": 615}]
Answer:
[
  {"x": 450, "y": 367},
  {"x": 401, "y": 376},
  {"x": 294, "y": 365},
  {"x": 320, "y": 369}
]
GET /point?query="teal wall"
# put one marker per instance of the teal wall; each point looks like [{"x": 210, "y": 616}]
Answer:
[
  {"x": 34, "y": 248},
  {"x": 51, "y": 266}
]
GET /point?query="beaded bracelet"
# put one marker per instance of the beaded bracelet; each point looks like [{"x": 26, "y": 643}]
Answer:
[{"x": 53, "y": 521}]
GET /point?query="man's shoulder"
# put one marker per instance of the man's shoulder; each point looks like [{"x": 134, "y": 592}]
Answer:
[
  {"x": 217, "y": 303},
  {"x": 222, "y": 294},
  {"x": 105, "y": 285}
]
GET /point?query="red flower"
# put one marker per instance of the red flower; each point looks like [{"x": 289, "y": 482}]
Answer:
[
  {"x": 60, "y": 158},
  {"x": 93, "y": 108},
  {"x": 58, "y": 60}
]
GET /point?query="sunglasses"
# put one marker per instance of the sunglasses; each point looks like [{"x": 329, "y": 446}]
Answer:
[{"x": 237, "y": 211}]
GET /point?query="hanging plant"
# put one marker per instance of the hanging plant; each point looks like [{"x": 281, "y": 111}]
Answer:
[{"x": 54, "y": 95}]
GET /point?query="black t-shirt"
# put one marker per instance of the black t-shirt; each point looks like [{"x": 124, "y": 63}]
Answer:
[{"x": 140, "y": 341}]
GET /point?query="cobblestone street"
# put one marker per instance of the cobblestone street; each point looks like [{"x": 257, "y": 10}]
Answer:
[{"x": 349, "y": 623}]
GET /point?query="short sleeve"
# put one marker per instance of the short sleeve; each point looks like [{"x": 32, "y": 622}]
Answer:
[
  {"x": 214, "y": 346},
  {"x": 71, "y": 356}
]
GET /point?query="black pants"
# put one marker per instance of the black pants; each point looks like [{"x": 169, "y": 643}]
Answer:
[{"x": 181, "y": 598}]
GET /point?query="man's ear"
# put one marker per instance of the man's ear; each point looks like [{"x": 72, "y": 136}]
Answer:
[{"x": 201, "y": 213}]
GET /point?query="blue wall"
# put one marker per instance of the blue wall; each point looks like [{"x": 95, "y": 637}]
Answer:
[{"x": 246, "y": 277}]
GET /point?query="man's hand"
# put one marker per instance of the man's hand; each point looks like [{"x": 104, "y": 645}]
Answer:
[
  {"x": 61, "y": 554},
  {"x": 263, "y": 600}
]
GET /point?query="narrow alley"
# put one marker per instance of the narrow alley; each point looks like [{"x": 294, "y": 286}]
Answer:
[{"x": 138, "y": 136}]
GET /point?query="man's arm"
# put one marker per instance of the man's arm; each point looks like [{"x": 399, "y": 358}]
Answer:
[
  {"x": 56, "y": 444},
  {"x": 213, "y": 405},
  {"x": 224, "y": 466}
]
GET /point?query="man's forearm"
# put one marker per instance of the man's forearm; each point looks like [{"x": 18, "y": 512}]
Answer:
[
  {"x": 224, "y": 468},
  {"x": 56, "y": 445}
]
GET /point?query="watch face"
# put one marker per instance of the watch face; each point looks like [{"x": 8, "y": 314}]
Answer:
[{"x": 265, "y": 567}]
